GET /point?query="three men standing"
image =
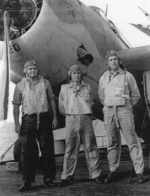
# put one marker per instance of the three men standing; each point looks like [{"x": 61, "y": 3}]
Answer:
[{"x": 118, "y": 92}]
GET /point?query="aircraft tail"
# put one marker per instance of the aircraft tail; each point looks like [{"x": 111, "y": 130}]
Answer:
[
  {"x": 145, "y": 13},
  {"x": 4, "y": 71},
  {"x": 144, "y": 29}
]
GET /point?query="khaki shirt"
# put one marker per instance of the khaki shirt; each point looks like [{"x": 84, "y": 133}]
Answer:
[
  {"x": 75, "y": 101},
  {"x": 131, "y": 91},
  {"x": 19, "y": 97}
]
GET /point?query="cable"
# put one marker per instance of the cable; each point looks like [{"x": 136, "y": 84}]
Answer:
[{"x": 3, "y": 155}]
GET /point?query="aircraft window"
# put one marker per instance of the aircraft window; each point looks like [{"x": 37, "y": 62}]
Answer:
[
  {"x": 23, "y": 14},
  {"x": 117, "y": 32},
  {"x": 99, "y": 11},
  {"x": 113, "y": 27},
  {"x": 79, "y": 2}
]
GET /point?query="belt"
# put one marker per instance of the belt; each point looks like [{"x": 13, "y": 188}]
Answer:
[
  {"x": 38, "y": 115},
  {"x": 35, "y": 114},
  {"x": 78, "y": 114},
  {"x": 116, "y": 106}
]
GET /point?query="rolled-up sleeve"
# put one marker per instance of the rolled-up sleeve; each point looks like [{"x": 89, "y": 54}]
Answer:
[
  {"x": 101, "y": 90},
  {"x": 134, "y": 91},
  {"x": 49, "y": 90}
]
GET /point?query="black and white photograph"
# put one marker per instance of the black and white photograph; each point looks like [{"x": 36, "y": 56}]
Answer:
[{"x": 74, "y": 97}]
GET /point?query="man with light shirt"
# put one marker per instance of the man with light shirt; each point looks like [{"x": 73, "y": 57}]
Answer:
[
  {"x": 75, "y": 102},
  {"x": 118, "y": 92}
]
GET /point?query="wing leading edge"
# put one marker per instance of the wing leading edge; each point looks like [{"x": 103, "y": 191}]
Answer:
[{"x": 144, "y": 28}]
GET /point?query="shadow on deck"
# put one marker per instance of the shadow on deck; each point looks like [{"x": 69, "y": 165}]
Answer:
[{"x": 10, "y": 181}]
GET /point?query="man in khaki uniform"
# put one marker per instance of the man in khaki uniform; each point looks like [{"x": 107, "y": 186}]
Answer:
[
  {"x": 118, "y": 92},
  {"x": 75, "y": 102}
]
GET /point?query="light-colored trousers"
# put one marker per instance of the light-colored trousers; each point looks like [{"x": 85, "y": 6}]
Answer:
[
  {"x": 80, "y": 129},
  {"x": 126, "y": 121}
]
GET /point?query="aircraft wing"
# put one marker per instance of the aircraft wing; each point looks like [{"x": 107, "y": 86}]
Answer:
[
  {"x": 144, "y": 29},
  {"x": 136, "y": 59}
]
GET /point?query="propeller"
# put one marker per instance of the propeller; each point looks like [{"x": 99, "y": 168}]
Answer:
[
  {"x": 23, "y": 14},
  {"x": 5, "y": 69}
]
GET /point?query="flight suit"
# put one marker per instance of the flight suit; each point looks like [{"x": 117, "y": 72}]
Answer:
[{"x": 118, "y": 93}]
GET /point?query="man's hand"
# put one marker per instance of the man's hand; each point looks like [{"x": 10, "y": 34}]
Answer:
[
  {"x": 54, "y": 123},
  {"x": 62, "y": 110},
  {"x": 17, "y": 129}
]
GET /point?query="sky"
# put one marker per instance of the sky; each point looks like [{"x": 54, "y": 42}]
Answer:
[{"x": 124, "y": 12}]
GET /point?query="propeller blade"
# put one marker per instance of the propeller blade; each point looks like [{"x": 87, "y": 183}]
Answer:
[{"x": 4, "y": 71}]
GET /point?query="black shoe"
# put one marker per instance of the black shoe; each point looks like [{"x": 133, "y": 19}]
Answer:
[
  {"x": 63, "y": 183},
  {"x": 98, "y": 180},
  {"x": 110, "y": 177},
  {"x": 26, "y": 186},
  {"x": 66, "y": 182},
  {"x": 141, "y": 178},
  {"x": 50, "y": 183}
]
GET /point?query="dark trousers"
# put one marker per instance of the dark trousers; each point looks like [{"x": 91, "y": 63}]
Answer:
[{"x": 29, "y": 149}]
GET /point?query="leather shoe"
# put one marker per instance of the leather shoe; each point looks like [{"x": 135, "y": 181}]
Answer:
[
  {"x": 141, "y": 178},
  {"x": 50, "y": 183},
  {"x": 66, "y": 182},
  {"x": 110, "y": 177},
  {"x": 63, "y": 183},
  {"x": 25, "y": 187}
]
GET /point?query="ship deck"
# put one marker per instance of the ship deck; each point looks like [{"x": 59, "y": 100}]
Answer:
[{"x": 10, "y": 181}]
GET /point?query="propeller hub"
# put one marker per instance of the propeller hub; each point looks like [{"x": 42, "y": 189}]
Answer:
[{"x": 23, "y": 14}]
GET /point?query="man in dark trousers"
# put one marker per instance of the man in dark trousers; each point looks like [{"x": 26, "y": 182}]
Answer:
[{"x": 35, "y": 95}]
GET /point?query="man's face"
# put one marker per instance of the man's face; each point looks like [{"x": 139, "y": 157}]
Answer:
[
  {"x": 113, "y": 63},
  {"x": 76, "y": 76},
  {"x": 32, "y": 71}
]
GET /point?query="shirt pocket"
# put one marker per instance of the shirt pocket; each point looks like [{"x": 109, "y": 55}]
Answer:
[{"x": 120, "y": 81}]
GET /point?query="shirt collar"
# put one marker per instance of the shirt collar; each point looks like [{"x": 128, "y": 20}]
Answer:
[
  {"x": 120, "y": 71},
  {"x": 33, "y": 82},
  {"x": 71, "y": 84}
]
